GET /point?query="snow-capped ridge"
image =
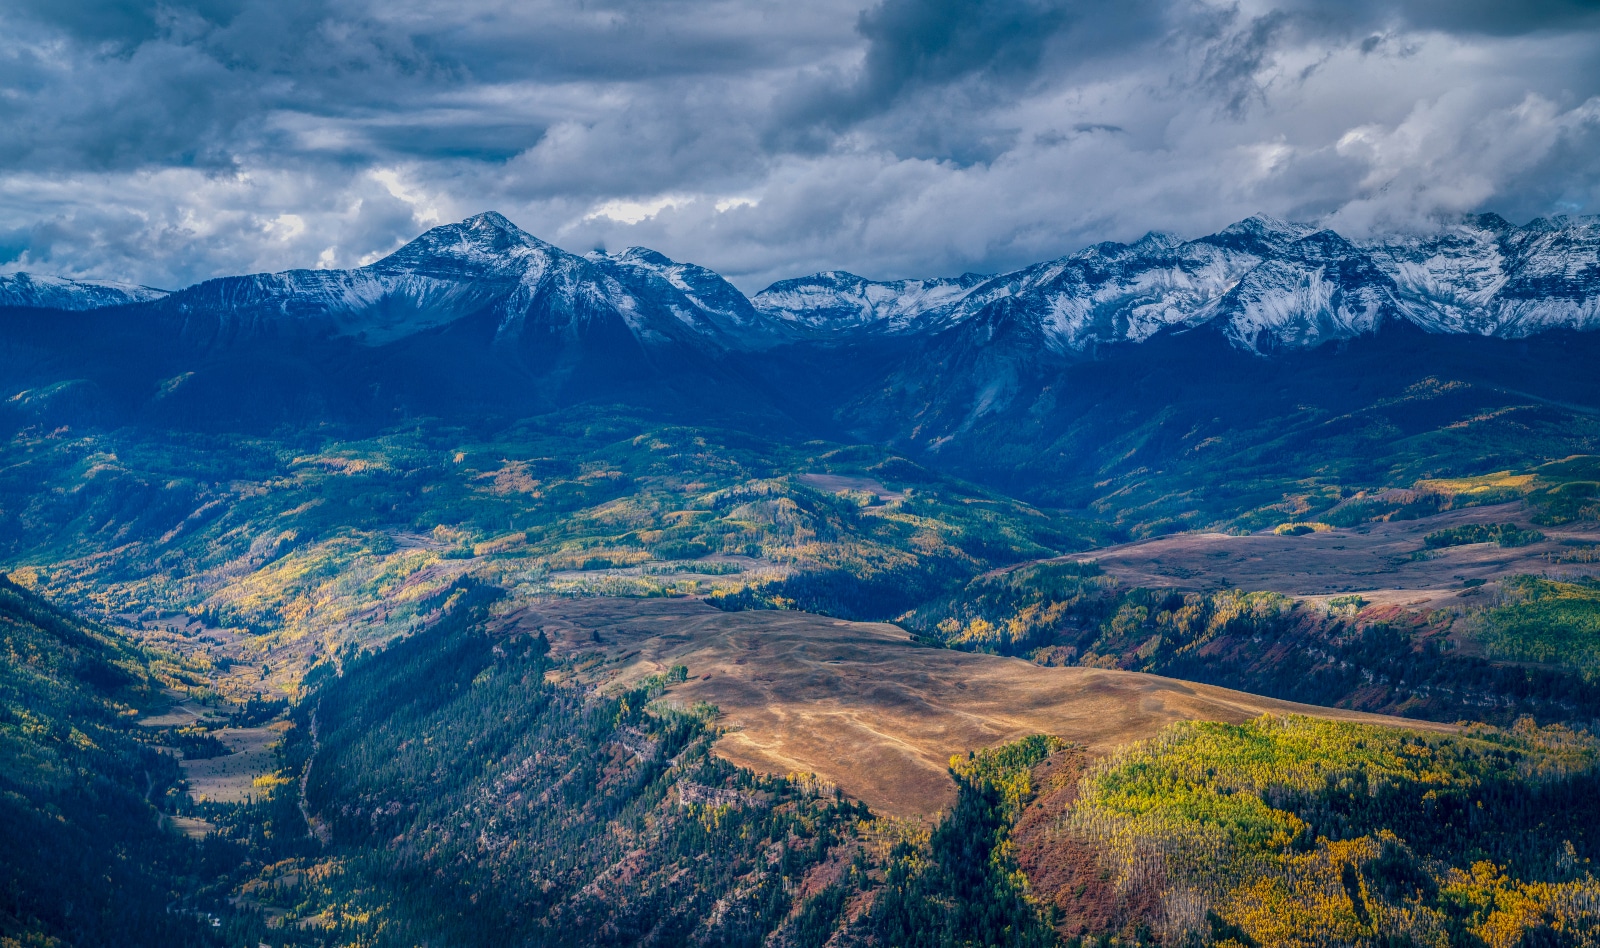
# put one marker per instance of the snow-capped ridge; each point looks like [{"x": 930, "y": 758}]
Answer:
[
  {"x": 1267, "y": 284},
  {"x": 35, "y": 291},
  {"x": 838, "y": 300}
]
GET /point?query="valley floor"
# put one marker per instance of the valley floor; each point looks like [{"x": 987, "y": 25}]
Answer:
[{"x": 1386, "y": 562}]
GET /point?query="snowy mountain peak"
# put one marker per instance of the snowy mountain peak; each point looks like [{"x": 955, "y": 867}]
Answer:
[
  {"x": 1488, "y": 221},
  {"x": 491, "y": 221},
  {"x": 26, "y": 290},
  {"x": 1155, "y": 241},
  {"x": 485, "y": 241},
  {"x": 1321, "y": 288},
  {"x": 1268, "y": 226},
  {"x": 1260, "y": 235},
  {"x": 695, "y": 296},
  {"x": 644, "y": 256}
]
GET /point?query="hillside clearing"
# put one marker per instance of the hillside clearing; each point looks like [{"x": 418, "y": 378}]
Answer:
[{"x": 860, "y": 704}]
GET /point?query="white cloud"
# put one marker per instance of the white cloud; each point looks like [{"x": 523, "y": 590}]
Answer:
[
  {"x": 423, "y": 206},
  {"x": 624, "y": 211}
]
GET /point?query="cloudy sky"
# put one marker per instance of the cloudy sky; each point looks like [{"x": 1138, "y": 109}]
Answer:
[{"x": 166, "y": 142}]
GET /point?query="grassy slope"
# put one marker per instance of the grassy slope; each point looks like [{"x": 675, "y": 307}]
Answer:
[
  {"x": 1183, "y": 433},
  {"x": 491, "y": 806},
  {"x": 1539, "y": 644},
  {"x": 1268, "y": 644},
  {"x": 470, "y": 801}
]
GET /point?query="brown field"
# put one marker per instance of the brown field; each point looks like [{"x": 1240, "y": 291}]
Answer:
[
  {"x": 183, "y": 712},
  {"x": 190, "y": 826},
  {"x": 862, "y": 706},
  {"x": 235, "y": 656},
  {"x": 1374, "y": 559},
  {"x": 231, "y": 778},
  {"x": 838, "y": 483}
]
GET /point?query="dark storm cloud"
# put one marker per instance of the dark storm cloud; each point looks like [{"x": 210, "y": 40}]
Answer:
[
  {"x": 987, "y": 48},
  {"x": 914, "y": 43},
  {"x": 193, "y": 83},
  {"x": 169, "y": 141}
]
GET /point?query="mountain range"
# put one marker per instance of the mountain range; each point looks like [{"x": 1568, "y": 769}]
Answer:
[
  {"x": 1266, "y": 284},
  {"x": 1047, "y": 369}
]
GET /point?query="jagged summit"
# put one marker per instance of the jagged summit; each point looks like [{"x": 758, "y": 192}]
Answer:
[
  {"x": 482, "y": 241},
  {"x": 646, "y": 257},
  {"x": 696, "y": 296},
  {"x": 1319, "y": 287},
  {"x": 1155, "y": 241},
  {"x": 1269, "y": 229}
]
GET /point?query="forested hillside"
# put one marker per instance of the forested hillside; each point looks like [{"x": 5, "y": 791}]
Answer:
[
  {"x": 465, "y": 799},
  {"x": 1297, "y": 832},
  {"x": 1338, "y": 653},
  {"x": 85, "y": 857}
]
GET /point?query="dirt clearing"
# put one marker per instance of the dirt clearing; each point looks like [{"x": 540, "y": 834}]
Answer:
[
  {"x": 860, "y": 704},
  {"x": 231, "y": 777}
]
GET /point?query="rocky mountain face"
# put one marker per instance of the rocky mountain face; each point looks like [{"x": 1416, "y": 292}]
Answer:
[
  {"x": 477, "y": 316},
  {"x": 1488, "y": 277}
]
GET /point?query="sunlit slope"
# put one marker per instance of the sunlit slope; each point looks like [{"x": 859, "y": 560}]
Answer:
[
  {"x": 297, "y": 549},
  {"x": 860, "y": 704}
]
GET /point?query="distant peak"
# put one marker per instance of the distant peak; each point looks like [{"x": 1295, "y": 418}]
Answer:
[
  {"x": 646, "y": 256},
  {"x": 1156, "y": 240},
  {"x": 483, "y": 239},
  {"x": 1267, "y": 224},
  {"x": 1546, "y": 225},
  {"x": 492, "y": 221},
  {"x": 1489, "y": 221}
]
